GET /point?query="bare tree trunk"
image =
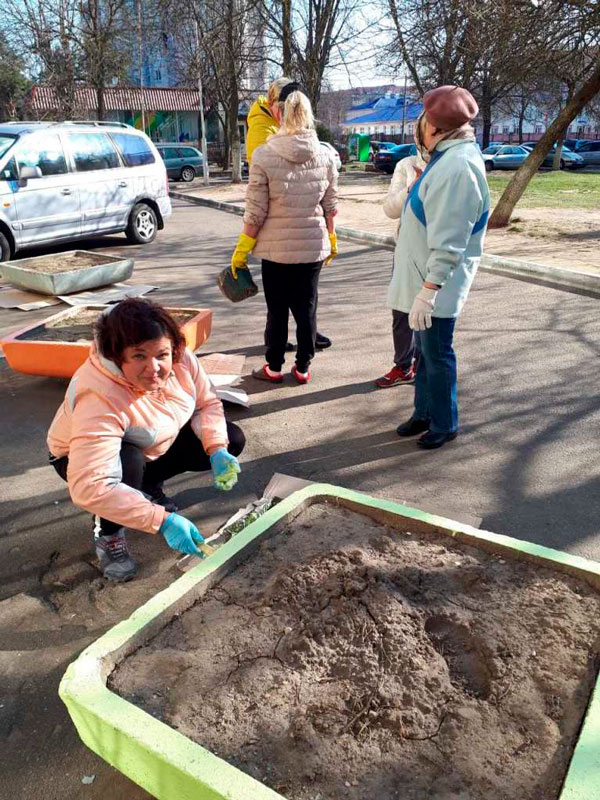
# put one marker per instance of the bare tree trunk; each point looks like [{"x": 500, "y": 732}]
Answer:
[
  {"x": 65, "y": 88},
  {"x": 514, "y": 191},
  {"x": 286, "y": 26},
  {"x": 558, "y": 153},
  {"x": 520, "y": 129},
  {"x": 234, "y": 138},
  {"x": 234, "y": 95},
  {"x": 486, "y": 112},
  {"x": 314, "y": 92},
  {"x": 100, "y": 102}
]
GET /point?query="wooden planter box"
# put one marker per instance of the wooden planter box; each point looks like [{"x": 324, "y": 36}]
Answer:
[
  {"x": 170, "y": 765},
  {"x": 27, "y": 353}
]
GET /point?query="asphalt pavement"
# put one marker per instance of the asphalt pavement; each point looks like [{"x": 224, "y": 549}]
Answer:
[{"x": 525, "y": 462}]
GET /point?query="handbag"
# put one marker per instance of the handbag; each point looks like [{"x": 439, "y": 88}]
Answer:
[{"x": 236, "y": 290}]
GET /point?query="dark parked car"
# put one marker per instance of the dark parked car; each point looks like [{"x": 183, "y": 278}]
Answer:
[
  {"x": 568, "y": 159},
  {"x": 387, "y": 159},
  {"x": 377, "y": 147},
  {"x": 183, "y": 162},
  {"x": 589, "y": 152},
  {"x": 575, "y": 144}
]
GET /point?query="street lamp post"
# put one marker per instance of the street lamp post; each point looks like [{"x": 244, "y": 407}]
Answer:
[
  {"x": 404, "y": 109},
  {"x": 141, "y": 63},
  {"x": 204, "y": 144}
]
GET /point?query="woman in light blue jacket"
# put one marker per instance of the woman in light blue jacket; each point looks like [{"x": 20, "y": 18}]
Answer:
[{"x": 437, "y": 255}]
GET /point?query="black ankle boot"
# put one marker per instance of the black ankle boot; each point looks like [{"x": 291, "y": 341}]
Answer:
[
  {"x": 412, "y": 427},
  {"x": 431, "y": 440}
]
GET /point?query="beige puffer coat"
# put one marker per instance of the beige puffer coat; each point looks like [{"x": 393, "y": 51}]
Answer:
[{"x": 292, "y": 187}]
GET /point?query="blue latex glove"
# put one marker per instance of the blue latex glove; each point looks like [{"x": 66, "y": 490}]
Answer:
[
  {"x": 225, "y": 469},
  {"x": 181, "y": 534}
]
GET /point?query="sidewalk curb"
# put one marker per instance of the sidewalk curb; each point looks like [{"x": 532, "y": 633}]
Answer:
[
  {"x": 230, "y": 208},
  {"x": 554, "y": 277}
]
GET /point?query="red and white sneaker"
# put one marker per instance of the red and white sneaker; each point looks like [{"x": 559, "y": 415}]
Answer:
[
  {"x": 395, "y": 377},
  {"x": 301, "y": 377},
  {"x": 265, "y": 374}
]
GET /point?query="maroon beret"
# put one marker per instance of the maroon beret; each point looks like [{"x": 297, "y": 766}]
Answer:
[{"x": 449, "y": 107}]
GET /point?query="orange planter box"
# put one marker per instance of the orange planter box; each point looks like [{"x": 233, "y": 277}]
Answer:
[{"x": 57, "y": 359}]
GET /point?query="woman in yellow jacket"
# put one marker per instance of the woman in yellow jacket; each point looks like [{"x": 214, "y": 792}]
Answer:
[{"x": 261, "y": 125}]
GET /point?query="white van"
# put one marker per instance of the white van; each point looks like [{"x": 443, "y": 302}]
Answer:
[{"x": 73, "y": 180}]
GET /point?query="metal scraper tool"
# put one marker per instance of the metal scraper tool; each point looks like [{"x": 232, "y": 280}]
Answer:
[{"x": 186, "y": 562}]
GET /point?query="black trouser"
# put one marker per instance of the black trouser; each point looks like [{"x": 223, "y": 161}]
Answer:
[
  {"x": 404, "y": 345},
  {"x": 186, "y": 454},
  {"x": 290, "y": 287}
]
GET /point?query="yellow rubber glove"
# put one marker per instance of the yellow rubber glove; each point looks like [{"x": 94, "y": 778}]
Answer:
[
  {"x": 334, "y": 248},
  {"x": 239, "y": 259}
]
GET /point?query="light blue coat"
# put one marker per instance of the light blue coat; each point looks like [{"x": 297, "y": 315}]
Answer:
[{"x": 443, "y": 226}]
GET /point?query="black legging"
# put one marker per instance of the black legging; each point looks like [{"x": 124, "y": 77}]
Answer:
[
  {"x": 186, "y": 454},
  {"x": 295, "y": 288}
]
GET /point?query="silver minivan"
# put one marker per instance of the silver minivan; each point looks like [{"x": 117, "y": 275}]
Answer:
[{"x": 71, "y": 180}]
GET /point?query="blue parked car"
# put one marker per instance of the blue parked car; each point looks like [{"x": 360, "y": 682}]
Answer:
[
  {"x": 386, "y": 160},
  {"x": 509, "y": 156},
  {"x": 493, "y": 147},
  {"x": 182, "y": 161}
]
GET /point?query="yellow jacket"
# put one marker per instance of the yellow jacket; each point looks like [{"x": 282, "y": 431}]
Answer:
[{"x": 261, "y": 125}]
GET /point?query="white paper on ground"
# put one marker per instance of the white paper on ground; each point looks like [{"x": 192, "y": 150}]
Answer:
[
  {"x": 282, "y": 486},
  {"x": 237, "y": 396},
  {"x": 224, "y": 381},
  {"x": 25, "y": 301},
  {"x": 107, "y": 294}
]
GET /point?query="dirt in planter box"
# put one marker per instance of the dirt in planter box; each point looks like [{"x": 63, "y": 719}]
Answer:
[
  {"x": 77, "y": 327},
  {"x": 66, "y": 262},
  {"x": 350, "y": 661}
]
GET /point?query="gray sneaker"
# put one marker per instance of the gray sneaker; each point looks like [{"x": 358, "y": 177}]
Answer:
[{"x": 114, "y": 558}]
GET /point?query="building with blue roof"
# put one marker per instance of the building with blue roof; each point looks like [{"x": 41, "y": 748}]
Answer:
[{"x": 383, "y": 116}]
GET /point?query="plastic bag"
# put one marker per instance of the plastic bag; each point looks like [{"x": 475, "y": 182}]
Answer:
[{"x": 236, "y": 290}]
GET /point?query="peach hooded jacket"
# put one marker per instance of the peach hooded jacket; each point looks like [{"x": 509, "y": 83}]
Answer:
[
  {"x": 291, "y": 189},
  {"x": 102, "y": 409}
]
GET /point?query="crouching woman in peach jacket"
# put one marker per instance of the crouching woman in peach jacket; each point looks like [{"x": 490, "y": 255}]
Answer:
[{"x": 139, "y": 411}]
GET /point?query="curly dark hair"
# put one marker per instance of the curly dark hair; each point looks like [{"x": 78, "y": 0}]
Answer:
[{"x": 131, "y": 322}]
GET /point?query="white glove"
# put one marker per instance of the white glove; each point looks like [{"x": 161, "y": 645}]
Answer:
[{"x": 420, "y": 314}]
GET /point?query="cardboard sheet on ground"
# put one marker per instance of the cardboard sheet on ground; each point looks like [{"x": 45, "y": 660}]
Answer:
[
  {"x": 107, "y": 294},
  {"x": 224, "y": 370},
  {"x": 25, "y": 301},
  {"x": 223, "y": 364},
  {"x": 31, "y": 301}
]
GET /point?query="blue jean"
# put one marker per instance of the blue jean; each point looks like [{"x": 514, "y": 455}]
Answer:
[{"x": 435, "y": 383}]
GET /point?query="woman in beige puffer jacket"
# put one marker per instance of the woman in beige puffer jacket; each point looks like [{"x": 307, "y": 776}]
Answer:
[{"x": 291, "y": 203}]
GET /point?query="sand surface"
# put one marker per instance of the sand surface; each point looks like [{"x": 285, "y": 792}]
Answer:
[
  {"x": 348, "y": 660},
  {"x": 77, "y": 327}
]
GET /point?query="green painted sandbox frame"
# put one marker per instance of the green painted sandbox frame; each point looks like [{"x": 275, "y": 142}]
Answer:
[{"x": 172, "y": 767}]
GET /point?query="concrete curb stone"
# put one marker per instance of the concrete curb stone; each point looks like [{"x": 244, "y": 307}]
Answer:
[{"x": 555, "y": 277}]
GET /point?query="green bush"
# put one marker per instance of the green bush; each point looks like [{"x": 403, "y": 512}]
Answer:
[{"x": 324, "y": 133}]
